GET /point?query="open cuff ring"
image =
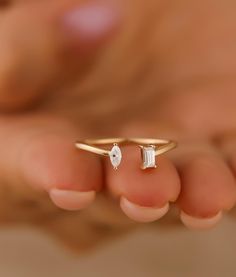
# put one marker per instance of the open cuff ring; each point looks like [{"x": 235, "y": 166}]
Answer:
[{"x": 150, "y": 148}]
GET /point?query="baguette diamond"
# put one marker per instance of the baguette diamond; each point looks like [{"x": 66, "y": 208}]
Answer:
[
  {"x": 115, "y": 156},
  {"x": 148, "y": 156}
]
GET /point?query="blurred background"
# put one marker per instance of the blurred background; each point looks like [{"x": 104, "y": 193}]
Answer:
[{"x": 148, "y": 252}]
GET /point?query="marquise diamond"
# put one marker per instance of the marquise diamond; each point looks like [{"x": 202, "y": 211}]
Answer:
[{"x": 115, "y": 156}]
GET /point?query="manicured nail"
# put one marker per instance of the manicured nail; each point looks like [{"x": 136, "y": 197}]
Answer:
[
  {"x": 142, "y": 214},
  {"x": 90, "y": 22},
  {"x": 71, "y": 200},
  {"x": 199, "y": 223}
]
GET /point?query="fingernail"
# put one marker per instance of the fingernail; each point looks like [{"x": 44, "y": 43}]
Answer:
[
  {"x": 90, "y": 22},
  {"x": 199, "y": 223},
  {"x": 71, "y": 200},
  {"x": 142, "y": 214}
]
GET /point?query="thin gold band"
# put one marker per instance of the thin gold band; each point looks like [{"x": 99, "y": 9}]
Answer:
[
  {"x": 163, "y": 145},
  {"x": 91, "y": 145},
  {"x": 150, "y": 148}
]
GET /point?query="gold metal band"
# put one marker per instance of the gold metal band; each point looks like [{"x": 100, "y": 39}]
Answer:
[
  {"x": 93, "y": 149},
  {"x": 150, "y": 148},
  {"x": 105, "y": 141},
  {"x": 91, "y": 145},
  {"x": 163, "y": 145}
]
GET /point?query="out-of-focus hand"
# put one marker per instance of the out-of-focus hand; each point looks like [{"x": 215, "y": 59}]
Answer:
[
  {"x": 47, "y": 45},
  {"x": 173, "y": 78}
]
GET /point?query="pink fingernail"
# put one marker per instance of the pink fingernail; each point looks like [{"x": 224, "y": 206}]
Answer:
[
  {"x": 142, "y": 214},
  {"x": 71, "y": 200},
  {"x": 91, "y": 21},
  {"x": 199, "y": 223}
]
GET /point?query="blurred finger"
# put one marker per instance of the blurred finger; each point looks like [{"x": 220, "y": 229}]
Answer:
[
  {"x": 207, "y": 185},
  {"x": 39, "y": 152}
]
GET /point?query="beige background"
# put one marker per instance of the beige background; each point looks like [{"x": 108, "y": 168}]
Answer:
[{"x": 148, "y": 253}]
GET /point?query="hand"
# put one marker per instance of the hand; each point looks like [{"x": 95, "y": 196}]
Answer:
[{"x": 179, "y": 84}]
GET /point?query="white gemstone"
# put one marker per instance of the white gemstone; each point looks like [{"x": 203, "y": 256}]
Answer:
[
  {"x": 149, "y": 157},
  {"x": 115, "y": 156}
]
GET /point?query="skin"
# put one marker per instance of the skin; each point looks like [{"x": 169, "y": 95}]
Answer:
[{"x": 188, "y": 87}]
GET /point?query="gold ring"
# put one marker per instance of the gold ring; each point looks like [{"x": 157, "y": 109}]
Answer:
[{"x": 150, "y": 148}]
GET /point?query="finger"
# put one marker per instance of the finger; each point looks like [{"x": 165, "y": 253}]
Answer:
[
  {"x": 144, "y": 194},
  {"x": 40, "y": 153},
  {"x": 46, "y": 44},
  {"x": 207, "y": 186}
]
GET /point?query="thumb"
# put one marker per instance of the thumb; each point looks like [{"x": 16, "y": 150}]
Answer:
[{"x": 45, "y": 45}]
